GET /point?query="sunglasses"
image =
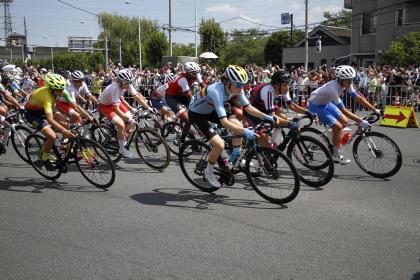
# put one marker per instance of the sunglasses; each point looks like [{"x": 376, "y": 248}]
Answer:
[{"x": 238, "y": 85}]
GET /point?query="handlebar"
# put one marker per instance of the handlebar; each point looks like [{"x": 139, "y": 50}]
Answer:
[
  {"x": 372, "y": 118},
  {"x": 303, "y": 117}
]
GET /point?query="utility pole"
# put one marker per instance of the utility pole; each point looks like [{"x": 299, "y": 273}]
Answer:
[
  {"x": 195, "y": 28},
  {"x": 25, "y": 43},
  {"x": 106, "y": 53},
  {"x": 140, "y": 65},
  {"x": 120, "y": 53},
  {"x": 291, "y": 30},
  {"x": 306, "y": 36},
  {"x": 170, "y": 28}
]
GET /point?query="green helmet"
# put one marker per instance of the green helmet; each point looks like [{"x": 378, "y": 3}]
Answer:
[{"x": 55, "y": 81}]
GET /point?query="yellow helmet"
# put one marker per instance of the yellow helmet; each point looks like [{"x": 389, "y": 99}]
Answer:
[
  {"x": 236, "y": 74},
  {"x": 55, "y": 81}
]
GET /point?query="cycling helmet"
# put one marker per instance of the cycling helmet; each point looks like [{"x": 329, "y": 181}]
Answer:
[
  {"x": 280, "y": 77},
  {"x": 236, "y": 74},
  {"x": 77, "y": 75},
  {"x": 191, "y": 67},
  {"x": 345, "y": 72},
  {"x": 55, "y": 81},
  {"x": 168, "y": 78},
  {"x": 125, "y": 76},
  {"x": 5, "y": 79}
]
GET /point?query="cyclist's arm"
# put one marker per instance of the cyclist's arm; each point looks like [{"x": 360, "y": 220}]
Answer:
[
  {"x": 50, "y": 118},
  {"x": 360, "y": 99},
  {"x": 138, "y": 96}
]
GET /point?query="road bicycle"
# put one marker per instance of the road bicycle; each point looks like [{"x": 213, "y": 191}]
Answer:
[
  {"x": 374, "y": 152},
  {"x": 90, "y": 157},
  {"x": 270, "y": 173}
]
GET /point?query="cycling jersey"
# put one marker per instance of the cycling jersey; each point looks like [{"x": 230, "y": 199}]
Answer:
[
  {"x": 263, "y": 98},
  {"x": 113, "y": 92},
  {"x": 4, "y": 91},
  {"x": 43, "y": 99},
  {"x": 330, "y": 92},
  {"x": 213, "y": 98},
  {"x": 74, "y": 92},
  {"x": 181, "y": 84}
]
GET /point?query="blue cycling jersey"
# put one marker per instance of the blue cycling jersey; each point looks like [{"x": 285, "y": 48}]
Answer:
[{"x": 213, "y": 98}]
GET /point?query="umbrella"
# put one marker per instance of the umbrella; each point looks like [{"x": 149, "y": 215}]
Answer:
[
  {"x": 8, "y": 68},
  {"x": 208, "y": 55}
]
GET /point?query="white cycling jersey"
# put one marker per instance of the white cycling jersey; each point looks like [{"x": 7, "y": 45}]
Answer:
[
  {"x": 74, "y": 92},
  {"x": 113, "y": 92},
  {"x": 330, "y": 92}
]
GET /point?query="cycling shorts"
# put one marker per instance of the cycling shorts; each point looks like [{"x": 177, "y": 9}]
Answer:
[
  {"x": 36, "y": 118},
  {"x": 202, "y": 122},
  {"x": 158, "y": 104},
  {"x": 64, "y": 107},
  {"x": 178, "y": 104},
  {"x": 327, "y": 114},
  {"x": 109, "y": 111}
]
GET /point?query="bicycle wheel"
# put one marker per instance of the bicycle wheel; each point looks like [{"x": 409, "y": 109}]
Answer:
[
  {"x": 152, "y": 148},
  {"x": 33, "y": 148},
  {"x": 172, "y": 131},
  {"x": 193, "y": 161},
  {"x": 318, "y": 135},
  {"x": 18, "y": 137},
  {"x": 377, "y": 154},
  {"x": 95, "y": 164},
  {"x": 105, "y": 135},
  {"x": 312, "y": 160},
  {"x": 272, "y": 175}
]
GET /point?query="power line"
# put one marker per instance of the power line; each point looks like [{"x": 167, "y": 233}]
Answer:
[{"x": 77, "y": 8}]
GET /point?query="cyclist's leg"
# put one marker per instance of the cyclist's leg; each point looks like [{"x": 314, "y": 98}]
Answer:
[
  {"x": 109, "y": 112},
  {"x": 177, "y": 107},
  {"x": 38, "y": 121}
]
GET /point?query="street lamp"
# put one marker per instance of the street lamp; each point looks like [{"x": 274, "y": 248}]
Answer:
[
  {"x": 140, "y": 64},
  {"x": 52, "y": 54}
]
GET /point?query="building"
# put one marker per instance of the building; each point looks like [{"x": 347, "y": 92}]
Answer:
[
  {"x": 335, "y": 43},
  {"x": 375, "y": 23}
]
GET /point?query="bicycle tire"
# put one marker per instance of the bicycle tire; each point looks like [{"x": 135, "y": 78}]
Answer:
[
  {"x": 318, "y": 135},
  {"x": 105, "y": 135},
  {"x": 356, "y": 154},
  {"x": 171, "y": 132},
  {"x": 269, "y": 155},
  {"x": 152, "y": 141},
  {"x": 92, "y": 161},
  {"x": 312, "y": 160},
  {"x": 18, "y": 137},
  {"x": 193, "y": 148},
  {"x": 33, "y": 147}
]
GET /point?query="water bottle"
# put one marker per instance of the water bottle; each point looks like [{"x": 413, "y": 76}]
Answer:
[
  {"x": 345, "y": 138},
  {"x": 225, "y": 158},
  {"x": 277, "y": 137}
]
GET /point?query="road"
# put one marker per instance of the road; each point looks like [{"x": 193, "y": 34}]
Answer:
[{"x": 154, "y": 225}]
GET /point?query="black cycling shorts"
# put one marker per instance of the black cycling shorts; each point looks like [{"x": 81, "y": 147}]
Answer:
[
  {"x": 202, "y": 122},
  {"x": 177, "y": 103}
]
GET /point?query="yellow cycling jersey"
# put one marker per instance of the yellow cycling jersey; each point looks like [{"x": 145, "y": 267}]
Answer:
[{"x": 43, "y": 99}]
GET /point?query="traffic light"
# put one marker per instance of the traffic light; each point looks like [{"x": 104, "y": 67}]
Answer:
[{"x": 318, "y": 45}]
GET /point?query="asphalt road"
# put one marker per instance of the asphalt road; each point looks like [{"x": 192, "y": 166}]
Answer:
[{"x": 154, "y": 225}]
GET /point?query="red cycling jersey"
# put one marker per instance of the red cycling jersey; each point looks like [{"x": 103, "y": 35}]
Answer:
[{"x": 180, "y": 85}]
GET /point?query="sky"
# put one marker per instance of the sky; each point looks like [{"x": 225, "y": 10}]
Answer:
[{"x": 57, "y": 21}]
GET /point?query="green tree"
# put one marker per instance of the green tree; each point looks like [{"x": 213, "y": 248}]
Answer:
[
  {"x": 340, "y": 19},
  {"x": 212, "y": 38},
  {"x": 116, "y": 27},
  {"x": 273, "y": 49},
  {"x": 404, "y": 51},
  {"x": 156, "y": 48},
  {"x": 244, "y": 47},
  {"x": 183, "y": 50}
]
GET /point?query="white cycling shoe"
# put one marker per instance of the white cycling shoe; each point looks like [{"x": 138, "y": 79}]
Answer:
[
  {"x": 340, "y": 159},
  {"x": 211, "y": 178},
  {"x": 125, "y": 153}
]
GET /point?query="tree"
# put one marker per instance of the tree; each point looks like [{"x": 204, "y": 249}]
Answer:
[
  {"x": 156, "y": 48},
  {"x": 116, "y": 27},
  {"x": 340, "y": 19},
  {"x": 244, "y": 47},
  {"x": 404, "y": 51},
  {"x": 273, "y": 49},
  {"x": 183, "y": 50},
  {"x": 212, "y": 38}
]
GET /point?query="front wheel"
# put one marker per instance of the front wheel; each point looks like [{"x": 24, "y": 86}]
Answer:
[
  {"x": 172, "y": 131},
  {"x": 18, "y": 137},
  {"x": 312, "y": 160},
  {"x": 377, "y": 154},
  {"x": 152, "y": 148},
  {"x": 106, "y": 136},
  {"x": 272, "y": 175},
  {"x": 94, "y": 163}
]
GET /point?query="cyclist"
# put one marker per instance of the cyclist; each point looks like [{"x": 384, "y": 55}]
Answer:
[
  {"x": 178, "y": 94},
  {"x": 10, "y": 84},
  {"x": 208, "y": 106},
  {"x": 327, "y": 104},
  {"x": 9, "y": 100},
  {"x": 71, "y": 109},
  {"x": 263, "y": 98},
  {"x": 79, "y": 88},
  {"x": 117, "y": 110},
  {"x": 39, "y": 111},
  {"x": 157, "y": 97}
]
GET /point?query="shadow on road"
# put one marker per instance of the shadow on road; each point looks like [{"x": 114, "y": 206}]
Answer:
[
  {"x": 416, "y": 276},
  {"x": 360, "y": 178},
  {"x": 182, "y": 198},
  {"x": 31, "y": 185}
]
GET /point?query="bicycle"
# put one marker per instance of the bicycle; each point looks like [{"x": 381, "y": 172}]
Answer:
[
  {"x": 17, "y": 134},
  {"x": 90, "y": 157},
  {"x": 270, "y": 173},
  {"x": 311, "y": 157},
  {"x": 378, "y": 148},
  {"x": 148, "y": 142}
]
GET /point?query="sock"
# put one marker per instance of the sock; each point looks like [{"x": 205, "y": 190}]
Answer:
[
  {"x": 44, "y": 155},
  {"x": 209, "y": 167},
  {"x": 336, "y": 151},
  {"x": 121, "y": 144}
]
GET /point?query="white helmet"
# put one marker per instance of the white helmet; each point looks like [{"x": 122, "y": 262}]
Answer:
[
  {"x": 236, "y": 74},
  {"x": 77, "y": 75},
  {"x": 191, "y": 67},
  {"x": 345, "y": 72},
  {"x": 125, "y": 76}
]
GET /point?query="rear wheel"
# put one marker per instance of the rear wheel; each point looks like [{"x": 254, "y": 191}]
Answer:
[
  {"x": 152, "y": 148},
  {"x": 105, "y": 135},
  {"x": 33, "y": 149},
  {"x": 18, "y": 137},
  {"x": 172, "y": 131}
]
